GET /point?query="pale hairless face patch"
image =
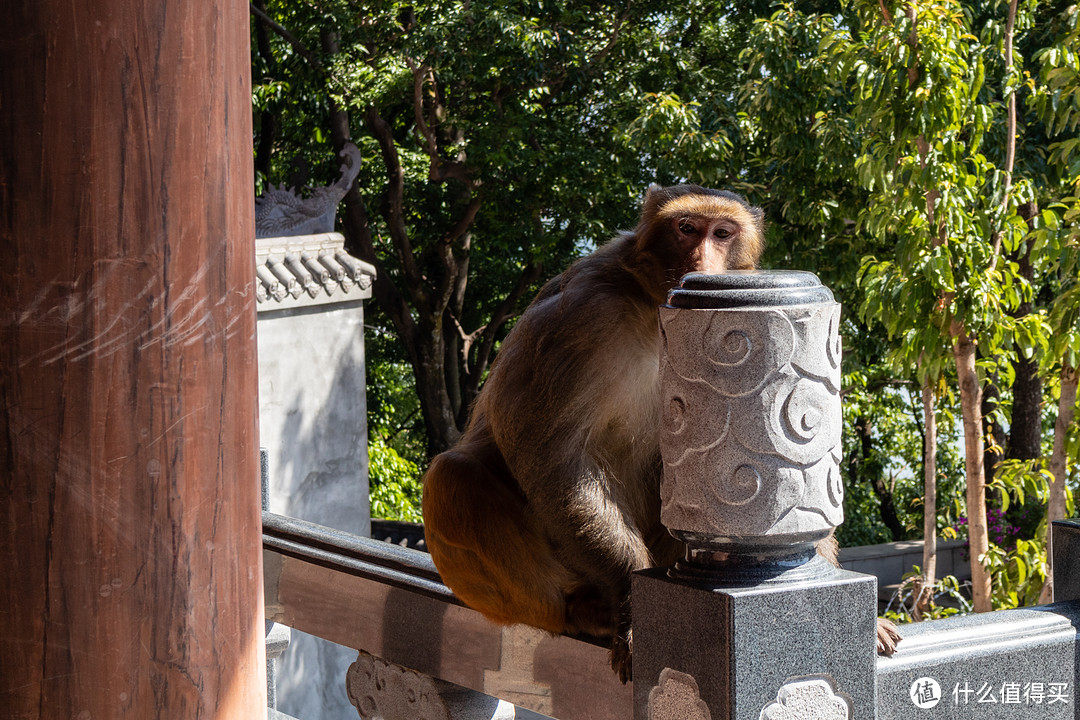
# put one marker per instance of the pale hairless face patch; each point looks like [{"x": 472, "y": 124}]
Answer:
[{"x": 707, "y": 206}]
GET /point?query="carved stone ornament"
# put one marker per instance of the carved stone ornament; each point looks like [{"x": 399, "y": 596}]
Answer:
[
  {"x": 750, "y": 386},
  {"x": 382, "y": 691},
  {"x": 281, "y": 212},
  {"x": 304, "y": 270},
  {"x": 677, "y": 697},
  {"x": 808, "y": 699}
]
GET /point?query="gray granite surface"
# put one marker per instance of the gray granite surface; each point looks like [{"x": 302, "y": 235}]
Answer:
[{"x": 741, "y": 645}]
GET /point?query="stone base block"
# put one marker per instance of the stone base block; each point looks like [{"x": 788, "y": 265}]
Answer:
[
  {"x": 1005, "y": 665},
  {"x": 1066, "y": 550},
  {"x": 778, "y": 649}
]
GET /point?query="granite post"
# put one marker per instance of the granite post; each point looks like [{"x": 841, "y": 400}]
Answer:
[{"x": 752, "y": 624}]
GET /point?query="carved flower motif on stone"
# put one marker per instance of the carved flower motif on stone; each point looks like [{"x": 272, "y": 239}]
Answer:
[
  {"x": 677, "y": 697},
  {"x": 383, "y": 691},
  {"x": 808, "y": 699}
]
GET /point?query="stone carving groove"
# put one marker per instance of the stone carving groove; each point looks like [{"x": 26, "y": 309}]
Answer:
[{"x": 751, "y": 430}]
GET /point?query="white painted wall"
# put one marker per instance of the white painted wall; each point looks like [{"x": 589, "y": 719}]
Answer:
[
  {"x": 313, "y": 422},
  {"x": 313, "y": 414}
]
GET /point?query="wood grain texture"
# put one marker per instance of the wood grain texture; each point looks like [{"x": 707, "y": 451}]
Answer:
[
  {"x": 445, "y": 640},
  {"x": 128, "y": 393}
]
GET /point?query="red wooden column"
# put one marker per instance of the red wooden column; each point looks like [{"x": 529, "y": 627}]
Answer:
[{"x": 130, "y": 560}]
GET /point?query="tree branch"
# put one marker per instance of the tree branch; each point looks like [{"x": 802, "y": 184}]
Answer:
[
  {"x": 420, "y": 75},
  {"x": 395, "y": 205},
  {"x": 439, "y": 169},
  {"x": 602, "y": 54},
  {"x": 487, "y": 332},
  {"x": 357, "y": 225},
  {"x": 885, "y": 12},
  {"x": 298, "y": 46},
  {"x": 462, "y": 225},
  {"x": 1010, "y": 141}
]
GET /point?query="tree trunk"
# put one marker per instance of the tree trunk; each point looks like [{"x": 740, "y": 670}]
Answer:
[
  {"x": 868, "y": 469},
  {"x": 1025, "y": 428},
  {"x": 423, "y": 337},
  {"x": 978, "y": 533},
  {"x": 1025, "y": 431},
  {"x": 1059, "y": 467},
  {"x": 440, "y": 420},
  {"x": 929, "y": 566}
]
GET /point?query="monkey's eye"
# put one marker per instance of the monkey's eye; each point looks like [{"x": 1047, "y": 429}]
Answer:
[
  {"x": 686, "y": 228},
  {"x": 723, "y": 233}
]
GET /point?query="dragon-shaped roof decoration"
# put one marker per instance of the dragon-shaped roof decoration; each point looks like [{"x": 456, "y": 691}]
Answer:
[{"x": 281, "y": 212}]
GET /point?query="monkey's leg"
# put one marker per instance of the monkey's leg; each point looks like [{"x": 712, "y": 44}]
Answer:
[
  {"x": 485, "y": 546},
  {"x": 599, "y": 542}
]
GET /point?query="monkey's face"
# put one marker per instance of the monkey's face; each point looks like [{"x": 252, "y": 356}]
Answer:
[
  {"x": 705, "y": 243},
  {"x": 706, "y": 233}
]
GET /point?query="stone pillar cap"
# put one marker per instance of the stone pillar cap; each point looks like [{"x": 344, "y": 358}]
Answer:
[{"x": 749, "y": 288}]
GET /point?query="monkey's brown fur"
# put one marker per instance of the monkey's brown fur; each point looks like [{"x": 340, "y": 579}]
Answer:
[{"x": 551, "y": 499}]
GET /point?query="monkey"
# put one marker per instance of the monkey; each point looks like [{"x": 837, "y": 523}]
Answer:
[{"x": 551, "y": 498}]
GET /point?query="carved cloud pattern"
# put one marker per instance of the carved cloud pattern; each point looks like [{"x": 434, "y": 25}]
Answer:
[{"x": 752, "y": 420}]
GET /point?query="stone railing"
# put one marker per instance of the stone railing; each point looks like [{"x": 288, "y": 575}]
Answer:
[{"x": 751, "y": 624}]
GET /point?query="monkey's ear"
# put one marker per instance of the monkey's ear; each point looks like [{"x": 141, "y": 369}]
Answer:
[{"x": 655, "y": 198}]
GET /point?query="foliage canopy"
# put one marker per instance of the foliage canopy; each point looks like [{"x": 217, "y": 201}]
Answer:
[{"x": 922, "y": 159}]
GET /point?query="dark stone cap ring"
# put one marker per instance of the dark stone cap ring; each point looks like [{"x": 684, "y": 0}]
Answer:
[{"x": 747, "y": 289}]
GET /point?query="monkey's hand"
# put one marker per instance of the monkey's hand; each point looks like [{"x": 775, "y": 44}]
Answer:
[
  {"x": 622, "y": 649},
  {"x": 887, "y": 637}
]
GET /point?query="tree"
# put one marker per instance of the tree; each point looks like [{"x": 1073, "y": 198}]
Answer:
[
  {"x": 797, "y": 147},
  {"x": 495, "y": 159},
  {"x": 1058, "y": 103},
  {"x": 918, "y": 166},
  {"x": 896, "y": 133},
  {"x": 919, "y": 75}
]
